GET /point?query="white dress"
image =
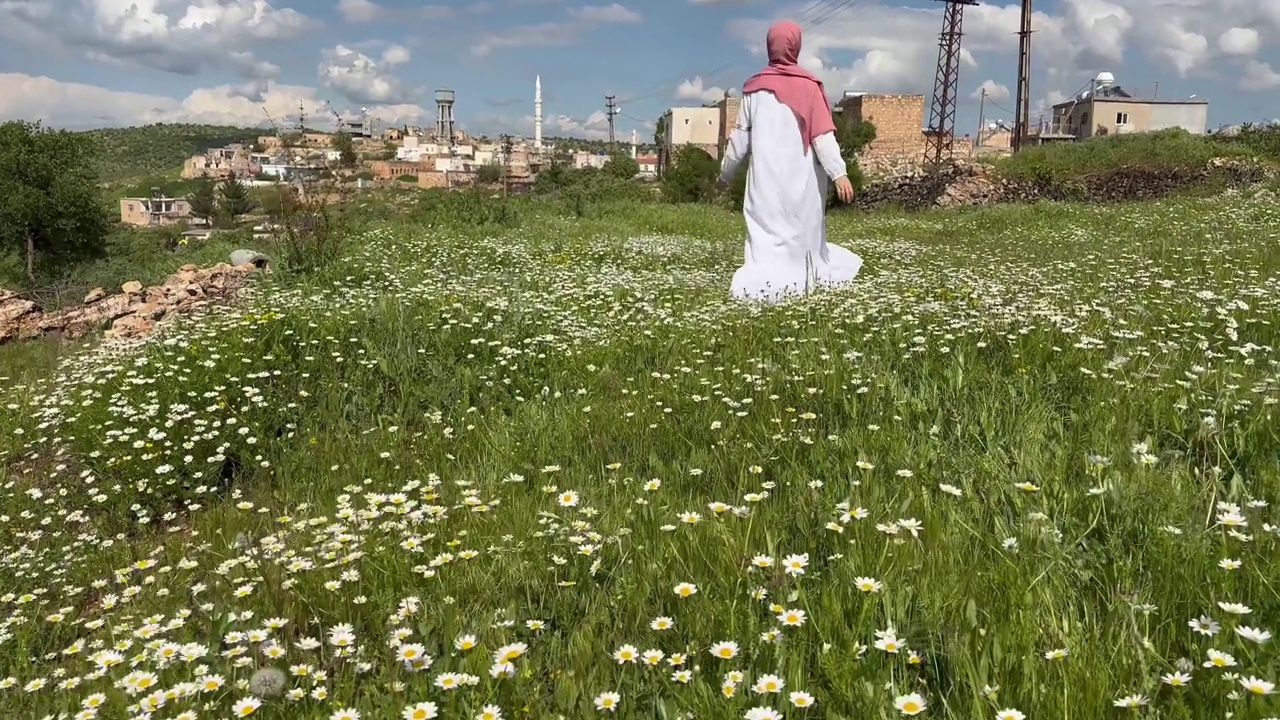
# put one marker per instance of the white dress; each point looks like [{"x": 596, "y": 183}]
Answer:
[{"x": 785, "y": 206}]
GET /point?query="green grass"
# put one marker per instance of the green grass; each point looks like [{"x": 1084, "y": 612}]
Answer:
[
  {"x": 1165, "y": 149},
  {"x": 1028, "y": 424}
]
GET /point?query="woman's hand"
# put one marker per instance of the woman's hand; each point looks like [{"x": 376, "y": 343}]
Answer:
[{"x": 844, "y": 190}]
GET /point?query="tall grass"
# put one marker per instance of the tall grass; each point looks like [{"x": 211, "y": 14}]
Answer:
[{"x": 542, "y": 467}]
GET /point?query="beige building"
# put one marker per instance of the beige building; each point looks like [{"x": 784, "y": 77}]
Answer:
[
  {"x": 1109, "y": 110},
  {"x": 155, "y": 211},
  {"x": 698, "y": 126},
  {"x": 235, "y": 159},
  {"x": 898, "y": 119}
]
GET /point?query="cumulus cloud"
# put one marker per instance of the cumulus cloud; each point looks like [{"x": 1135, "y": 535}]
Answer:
[
  {"x": 184, "y": 39},
  {"x": 894, "y": 48},
  {"x": 593, "y": 127},
  {"x": 358, "y": 12},
  {"x": 696, "y": 90},
  {"x": 77, "y": 105},
  {"x": 1239, "y": 41},
  {"x": 1259, "y": 77},
  {"x": 994, "y": 91},
  {"x": 361, "y": 79},
  {"x": 557, "y": 33}
]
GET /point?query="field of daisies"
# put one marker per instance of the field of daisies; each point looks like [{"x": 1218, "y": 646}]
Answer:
[{"x": 1026, "y": 468}]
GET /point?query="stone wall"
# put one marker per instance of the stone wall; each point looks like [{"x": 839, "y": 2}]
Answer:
[{"x": 132, "y": 312}]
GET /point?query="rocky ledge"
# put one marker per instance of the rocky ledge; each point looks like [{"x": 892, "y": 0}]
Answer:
[{"x": 130, "y": 313}]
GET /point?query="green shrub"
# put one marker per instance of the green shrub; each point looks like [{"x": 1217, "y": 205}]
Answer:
[
  {"x": 1059, "y": 162},
  {"x": 692, "y": 176}
]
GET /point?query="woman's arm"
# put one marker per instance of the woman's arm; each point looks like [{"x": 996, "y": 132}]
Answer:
[
  {"x": 828, "y": 152},
  {"x": 739, "y": 146}
]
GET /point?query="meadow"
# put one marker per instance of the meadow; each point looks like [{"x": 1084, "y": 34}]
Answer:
[{"x": 1024, "y": 468}]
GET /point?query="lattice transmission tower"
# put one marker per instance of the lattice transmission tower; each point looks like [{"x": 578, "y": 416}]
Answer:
[{"x": 940, "y": 136}]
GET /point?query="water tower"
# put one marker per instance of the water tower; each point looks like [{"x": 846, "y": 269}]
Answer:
[{"x": 444, "y": 115}]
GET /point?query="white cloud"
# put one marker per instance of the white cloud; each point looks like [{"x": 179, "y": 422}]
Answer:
[
  {"x": 556, "y": 33},
  {"x": 76, "y": 105},
  {"x": 1259, "y": 77},
  {"x": 1239, "y": 41},
  {"x": 894, "y": 48},
  {"x": 363, "y": 80},
  {"x": 161, "y": 34},
  {"x": 994, "y": 91},
  {"x": 360, "y": 11},
  {"x": 593, "y": 127},
  {"x": 605, "y": 14},
  {"x": 695, "y": 91},
  {"x": 357, "y": 12}
]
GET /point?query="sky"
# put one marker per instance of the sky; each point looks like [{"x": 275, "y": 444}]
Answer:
[{"x": 99, "y": 63}]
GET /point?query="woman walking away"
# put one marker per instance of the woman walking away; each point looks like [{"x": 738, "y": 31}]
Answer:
[{"x": 784, "y": 124}]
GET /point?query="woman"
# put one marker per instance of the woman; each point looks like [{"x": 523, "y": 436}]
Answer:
[{"x": 785, "y": 127}]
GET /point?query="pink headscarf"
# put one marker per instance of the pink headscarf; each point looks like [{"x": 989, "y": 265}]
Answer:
[{"x": 794, "y": 86}]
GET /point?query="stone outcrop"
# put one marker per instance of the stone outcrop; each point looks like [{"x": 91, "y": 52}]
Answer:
[
  {"x": 132, "y": 312},
  {"x": 963, "y": 184}
]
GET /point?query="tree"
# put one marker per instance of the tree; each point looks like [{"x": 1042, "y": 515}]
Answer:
[
  {"x": 489, "y": 173},
  {"x": 621, "y": 166},
  {"x": 692, "y": 176},
  {"x": 853, "y": 136},
  {"x": 52, "y": 211},
  {"x": 234, "y": 198},
  {"x": 346, "y": 148},
  {"x": 203, "y": 199}
]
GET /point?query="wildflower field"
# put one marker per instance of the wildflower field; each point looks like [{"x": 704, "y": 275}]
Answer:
[{"x": 1025, "y": 468}]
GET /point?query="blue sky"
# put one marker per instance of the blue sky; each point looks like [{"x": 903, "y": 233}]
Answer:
[{"x": 79, "y": 63}]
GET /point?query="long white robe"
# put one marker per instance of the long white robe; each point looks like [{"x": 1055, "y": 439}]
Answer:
[{"x": 786, "y": 251}]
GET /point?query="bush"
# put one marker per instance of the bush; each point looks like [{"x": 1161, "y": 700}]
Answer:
[
  {"x": 408, "y": 178},
  {"x": 1059, "y": 162},
  {"x": 692, "y": 176},
  {"x": 489, "y": 173},
  {"x": 309, "y": 233},
  {"x": 1260, "y": 140}
]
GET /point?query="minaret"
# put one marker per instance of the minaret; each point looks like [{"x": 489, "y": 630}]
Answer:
[
  {"x": 634, "y": 144},
  {"x": 537, "y": 113}
]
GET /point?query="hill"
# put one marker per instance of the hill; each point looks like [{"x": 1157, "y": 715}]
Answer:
[{"x": 148, "y": 149}]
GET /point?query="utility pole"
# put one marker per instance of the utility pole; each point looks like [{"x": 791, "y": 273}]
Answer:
[
  {"x": 506, "y": 165},
  {"x": 982, "y": 112},
  {"x": 940, "y": 138},
  {"x": 1156, "y": 94},
  {"x": 611, "y": 109},
  {"x": 1022, "y": 103}
]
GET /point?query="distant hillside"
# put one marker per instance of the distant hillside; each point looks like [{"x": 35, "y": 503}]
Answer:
[{"x": 150, "y": 149}]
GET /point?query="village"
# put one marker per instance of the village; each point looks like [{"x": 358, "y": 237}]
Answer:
[{"x": 447, "y": 157}]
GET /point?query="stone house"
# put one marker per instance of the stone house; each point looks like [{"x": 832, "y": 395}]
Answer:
[{"x": 157, "y": 211}]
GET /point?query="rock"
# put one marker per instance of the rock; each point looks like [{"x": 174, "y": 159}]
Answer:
[
  {"x": 131, "y": 326},
  {"x": 249, "y": 257},
  {"x": 15, "y": 313},
  {"x": 133, "y": 312}
]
